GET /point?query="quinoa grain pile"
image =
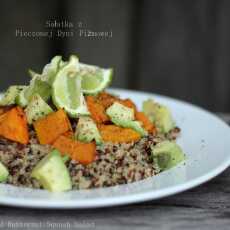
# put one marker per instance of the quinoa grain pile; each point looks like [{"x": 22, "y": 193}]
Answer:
[{"x": 114, "y": 164}]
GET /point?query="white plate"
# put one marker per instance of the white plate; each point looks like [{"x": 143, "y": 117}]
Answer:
[{"x": 205, "y": 140}]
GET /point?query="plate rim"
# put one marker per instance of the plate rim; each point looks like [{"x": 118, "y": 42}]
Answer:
[{"x": 126, "y": 199}]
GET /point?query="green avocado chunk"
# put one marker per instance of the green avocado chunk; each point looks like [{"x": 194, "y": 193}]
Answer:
[
  {"x": 159, "y": 114},
  {"x": 120, "y": 112},
  {"x": 36, "y": 109},
  {"x": 37, "y": 86},
  {"x": 52, "y": 173},
  {"x": 123, "y": 116},
  {"x": 10, "y": 95},
  {"x": 166, "y": 155},
  {"x": 135, "y": 125},
  {"x": 87, "y": 131},
  {"x": 3, "y": 173}
]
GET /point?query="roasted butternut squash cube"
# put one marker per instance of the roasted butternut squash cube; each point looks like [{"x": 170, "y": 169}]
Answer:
[
  {"x": 84, "y": 153},
  {"x": 13, "y": 125},
  {"x": 49, "y": 128}
]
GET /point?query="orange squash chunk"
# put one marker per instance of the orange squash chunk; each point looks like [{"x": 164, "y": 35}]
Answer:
[
  {"x": 107, "y": 100},
  {"x": 115, "y": 134},
  {"x": 49, "y": 128},
  {"x": 13, "y": 125},
  {"x": 97, "y": 105},
  {"x": 97, "y": 110},
  {"x": 69, "y": 134},
  {"x": 4, "y": 109},
  {"x": 78, "y": 151},
  {"x": 146, "y": 123}
]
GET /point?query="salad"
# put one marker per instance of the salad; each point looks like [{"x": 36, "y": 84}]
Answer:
[{"x": 64, "y": 131}]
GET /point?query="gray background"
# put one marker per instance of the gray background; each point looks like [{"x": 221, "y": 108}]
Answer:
[{"x": 177, "y": 48}]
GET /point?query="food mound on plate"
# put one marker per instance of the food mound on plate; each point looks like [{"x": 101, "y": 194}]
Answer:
[{"x": 64, "y": 131}]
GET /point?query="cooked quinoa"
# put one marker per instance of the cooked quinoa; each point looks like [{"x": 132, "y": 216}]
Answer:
[{"x": 114, "y": 164}]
